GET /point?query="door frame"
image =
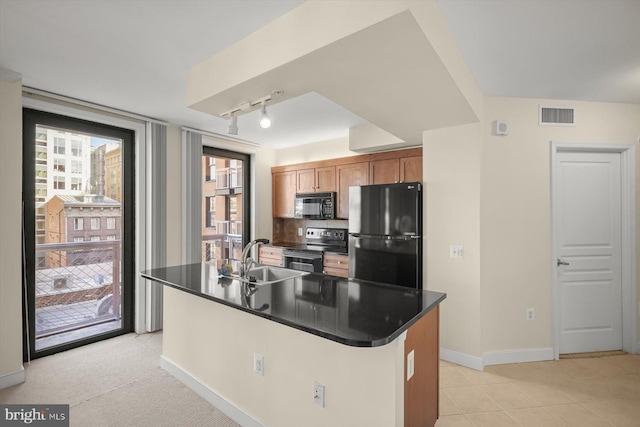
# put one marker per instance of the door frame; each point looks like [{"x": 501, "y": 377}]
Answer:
[
  {"x": 143, "y": 186},
  {"x": 628, "y": 238}
]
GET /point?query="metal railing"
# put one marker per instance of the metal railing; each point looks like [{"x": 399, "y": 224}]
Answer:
[
  {"x": 221, "y": 247},
  {"x": 77, "y": 285}
]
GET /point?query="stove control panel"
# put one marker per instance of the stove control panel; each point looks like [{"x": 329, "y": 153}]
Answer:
[{"x": 326, "y": 234}]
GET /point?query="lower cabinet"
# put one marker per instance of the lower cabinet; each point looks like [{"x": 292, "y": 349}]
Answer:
[
  {"x": 335, "y": 265},
  {"x": 269, "y": 255}
]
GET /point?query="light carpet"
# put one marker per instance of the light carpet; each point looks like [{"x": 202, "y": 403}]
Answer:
[{"x": 116, "y": 382}]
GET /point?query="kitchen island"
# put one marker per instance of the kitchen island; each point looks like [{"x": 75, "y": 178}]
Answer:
[{"x": 361, "y": 340}]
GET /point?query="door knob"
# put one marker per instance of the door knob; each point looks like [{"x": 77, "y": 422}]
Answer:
[{"x": 560, "y": 262}]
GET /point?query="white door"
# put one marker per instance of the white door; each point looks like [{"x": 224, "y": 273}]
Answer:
[{"x": 587, "y": 209}]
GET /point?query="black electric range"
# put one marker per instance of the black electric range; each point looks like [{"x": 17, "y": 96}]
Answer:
[{"x": 307, "y": 256}]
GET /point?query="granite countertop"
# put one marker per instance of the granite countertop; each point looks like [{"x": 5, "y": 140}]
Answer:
[{"x": 348, "y": 311}]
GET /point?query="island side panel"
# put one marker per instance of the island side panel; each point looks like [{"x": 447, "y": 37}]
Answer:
[
  {"x": 215, "y": 344},
  {"x": 421, "y": 391}
]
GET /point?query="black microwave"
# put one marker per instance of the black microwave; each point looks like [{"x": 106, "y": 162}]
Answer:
[{"x": 315, "y": 206}]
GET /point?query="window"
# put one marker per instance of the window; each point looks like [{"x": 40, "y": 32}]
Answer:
[
  {"x": 210, "y": 211},
  {"x": 58, "y": 145},
  {"x": 111, "y": 224},
  {"x": 76, "y": 184},
  {"x": 111, "y": 237},
  {"x": 58, "y": 182},
  {"x": 76, "y": 166},
  {"x": 95, "y": 223},
  {"x": 210, "y": 168},
  {"x": 76, "y": 148},
  {"x": 58, "y": 165},
  {"x": 72, "y": 141},
  {"x": 223, "y": 205}
]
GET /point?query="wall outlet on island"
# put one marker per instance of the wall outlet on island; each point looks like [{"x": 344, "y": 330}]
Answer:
[
  {"x": 258, "y": 364},
  {"x": 299, "y": 231},
  {"x": 531, "y": 314}
]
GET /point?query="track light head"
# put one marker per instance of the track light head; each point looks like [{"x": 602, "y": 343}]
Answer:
[
  {"x": 265, "y": 120},
  {"x": 233, "y": 126}
]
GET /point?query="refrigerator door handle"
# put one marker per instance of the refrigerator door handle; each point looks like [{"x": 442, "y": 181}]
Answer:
[{"x": 383, "y": 237}]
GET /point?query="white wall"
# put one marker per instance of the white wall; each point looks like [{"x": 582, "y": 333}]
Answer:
[
  {"x": 215, "y": 344},
  {"x": 11, "y": 371},
  {"x": 452, "y": 165},
  {"x": 516, "y": 212}
]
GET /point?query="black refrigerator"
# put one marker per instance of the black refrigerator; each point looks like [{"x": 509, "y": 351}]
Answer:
[{"x": 385, "y": 233}]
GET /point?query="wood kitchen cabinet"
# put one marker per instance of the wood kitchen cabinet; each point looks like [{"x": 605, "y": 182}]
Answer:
[
  {"x": 411, "y": 169},
  {"x": 384, "y": 171},
  {"x": 283, "y": 194},
  {"x": 269, "y": 255},
  {"x": 339, "y": 174},
  {"x": 390, "y": 171},
  {"x": 335, "y": 265},
  {"x": 346, "y": 176},
  {"x": 316, "y": 180}
]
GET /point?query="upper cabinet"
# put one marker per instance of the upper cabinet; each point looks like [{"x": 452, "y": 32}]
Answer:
[
  {"x": 411, "y": 169},
  {"x": 391, "y": 171},
  {"x": 339, "y": 174},
  {"x": 284, "y": 193},
  {"x": 348, "y": 175},
  {"x": 384, "y": 171},
  {"x": 316, "y": 180}
]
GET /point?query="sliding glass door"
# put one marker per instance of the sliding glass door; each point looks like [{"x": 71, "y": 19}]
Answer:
[{"x": 78, "y": 231}]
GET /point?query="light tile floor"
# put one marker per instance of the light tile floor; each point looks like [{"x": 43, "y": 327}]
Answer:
[{"x": 601, "y": 391}]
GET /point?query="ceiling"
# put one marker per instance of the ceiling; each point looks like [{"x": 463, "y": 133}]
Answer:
[{"x": 134, "y": 55}]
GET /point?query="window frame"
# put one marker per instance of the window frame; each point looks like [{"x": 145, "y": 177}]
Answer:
[{"x": 246, "y": 158}]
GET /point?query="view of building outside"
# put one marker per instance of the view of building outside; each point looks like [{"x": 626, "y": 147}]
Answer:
[
  {"x": 78, "y": 230},
  {"x": 222, "y": 210}
]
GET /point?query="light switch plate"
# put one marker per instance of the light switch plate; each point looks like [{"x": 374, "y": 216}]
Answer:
[{"x": 410, "y": 364}]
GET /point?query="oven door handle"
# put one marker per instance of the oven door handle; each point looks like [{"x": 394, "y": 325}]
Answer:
[{"x": 301, "y": 255}]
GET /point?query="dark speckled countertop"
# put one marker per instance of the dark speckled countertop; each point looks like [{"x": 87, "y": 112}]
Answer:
[{"x": 348, "y": 311}]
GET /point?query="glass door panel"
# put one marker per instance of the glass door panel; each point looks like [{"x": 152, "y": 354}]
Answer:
[{"x": 76, "y": 268}]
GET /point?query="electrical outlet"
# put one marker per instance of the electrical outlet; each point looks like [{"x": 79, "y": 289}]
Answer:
[
  {"x": 258, "y": 364},
  {"x": 318, "y": 394},
  {"x": 300, "y": 231},
  {"x": 531, "y": 314},
  {"x": 456, "y": 251},
  {"x": 410, "y": 364}
]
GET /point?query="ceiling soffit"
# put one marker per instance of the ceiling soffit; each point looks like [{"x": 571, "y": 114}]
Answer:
[{"x": 387, "y": 73}]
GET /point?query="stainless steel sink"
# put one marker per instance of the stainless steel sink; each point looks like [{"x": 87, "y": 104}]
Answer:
[{"x": 266, "y": 274}]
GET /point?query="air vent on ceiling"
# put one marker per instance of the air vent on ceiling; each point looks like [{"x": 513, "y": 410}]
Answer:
[{"x": 556, "y": 116}]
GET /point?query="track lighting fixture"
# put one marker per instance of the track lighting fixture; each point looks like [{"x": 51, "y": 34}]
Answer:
[
  {"x": 245, "y": 107},
  {"x": 233, "y": 126},
  {"x": 265, "y": 120}
]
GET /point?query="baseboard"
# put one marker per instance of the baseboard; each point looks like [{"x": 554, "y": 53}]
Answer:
[
  {"x": 12, "y": 379},
  {"x": 496, "y": 357},
  {"x": 463, "y": 359},
  {"x": 517, "y": 356},
  {"x": 208, "y": 394}
]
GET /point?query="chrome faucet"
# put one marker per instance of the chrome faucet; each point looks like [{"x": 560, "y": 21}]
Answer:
[{"x": 244, "y": 262}]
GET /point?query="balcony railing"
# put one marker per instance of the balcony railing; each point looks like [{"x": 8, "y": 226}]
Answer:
[
  {"x": 77, "y": 285},
  {"x": 222, "y": 248}
]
